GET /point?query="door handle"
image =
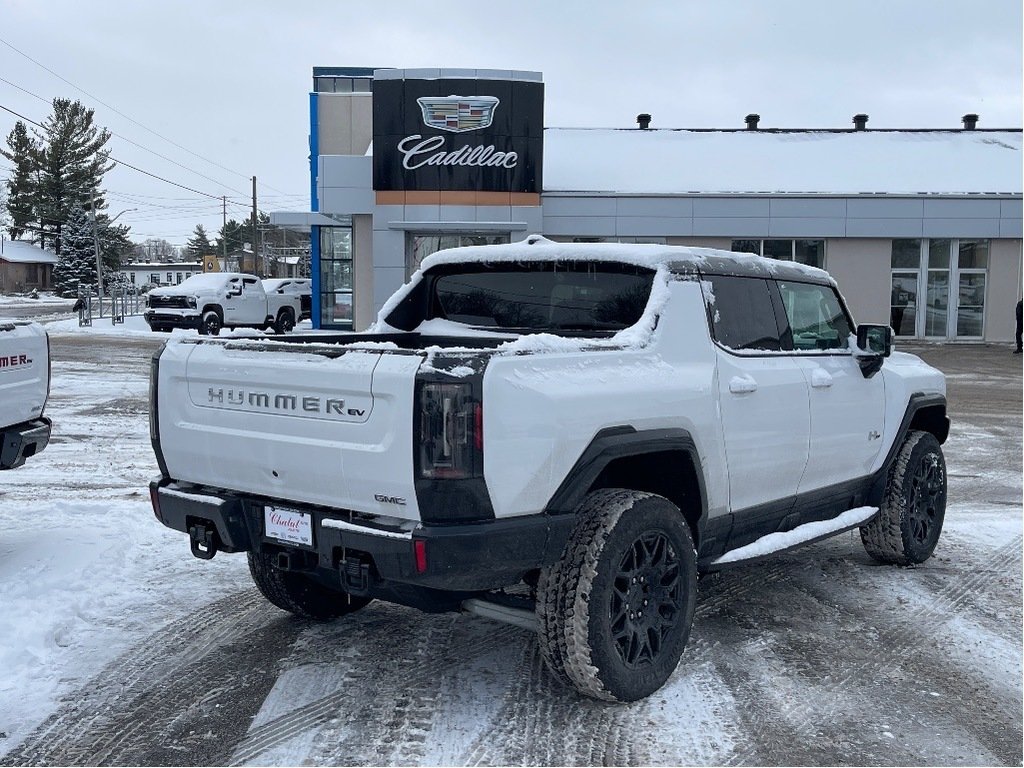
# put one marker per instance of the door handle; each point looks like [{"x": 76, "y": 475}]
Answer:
[
  {"x": 742, "y": 384},
  {"x": 821, "y": 379}
]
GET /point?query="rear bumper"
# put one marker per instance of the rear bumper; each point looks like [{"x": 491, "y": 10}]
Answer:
[
  {"x": 21, "y": 441},
  {"x": 171, "y": 319},
  {"x": 459, "y": 558}
]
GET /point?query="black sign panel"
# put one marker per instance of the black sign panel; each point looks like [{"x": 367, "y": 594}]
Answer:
[{"x": 458, "y": 135}]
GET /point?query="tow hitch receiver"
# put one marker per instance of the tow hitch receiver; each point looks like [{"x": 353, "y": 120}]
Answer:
[
  {"x": 355, "y": 576},
  {"x": 203, "y": 540}
]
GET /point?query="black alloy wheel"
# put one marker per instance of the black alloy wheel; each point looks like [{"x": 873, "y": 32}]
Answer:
[
  {"x": 927, "y": 492},
  {"x": 646, "y": 599}
]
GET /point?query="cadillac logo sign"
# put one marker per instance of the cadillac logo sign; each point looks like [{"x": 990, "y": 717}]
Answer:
[
  {"x": 458, "y": 134},
  {"x": 458, "y": 114}
]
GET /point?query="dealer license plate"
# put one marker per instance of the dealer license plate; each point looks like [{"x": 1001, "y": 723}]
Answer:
[{"x": 288, "y": 525}]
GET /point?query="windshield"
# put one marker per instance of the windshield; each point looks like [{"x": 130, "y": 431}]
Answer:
[{"x": 552, "y": 296}]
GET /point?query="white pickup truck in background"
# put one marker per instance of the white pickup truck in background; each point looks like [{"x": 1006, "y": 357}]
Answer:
[
  {"x": 24, "y": 388},
  {"x": 213, "y": 301}
]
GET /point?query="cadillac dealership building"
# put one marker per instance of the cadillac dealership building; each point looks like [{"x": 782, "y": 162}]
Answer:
[{"x": 922, "y": 228}]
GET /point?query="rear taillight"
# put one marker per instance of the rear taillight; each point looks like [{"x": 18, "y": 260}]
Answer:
[
  {"x": 49, "y": 372},
  {"x": 451, "y": 431}
]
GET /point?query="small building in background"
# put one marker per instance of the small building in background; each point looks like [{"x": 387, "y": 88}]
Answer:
[
  {"x": 160, "y": 273},
  {"x": 25, "y": 267}
]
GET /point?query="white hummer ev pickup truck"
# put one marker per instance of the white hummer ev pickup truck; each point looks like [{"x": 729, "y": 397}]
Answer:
[
  {"x": 24, "y": 389},
  {"x": 218, "y": 300},
  {"x": 559, "y": 436}
]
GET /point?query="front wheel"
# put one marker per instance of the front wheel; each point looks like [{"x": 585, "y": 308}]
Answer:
[
  {"x": 299, "y": 593},
  {"x": 210, "y": 323},
  {"x": 909, "y": 521},
  {"x": 615, "y": 612}
]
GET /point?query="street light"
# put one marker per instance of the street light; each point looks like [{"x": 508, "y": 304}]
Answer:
[{"x": 96, "y": 246}]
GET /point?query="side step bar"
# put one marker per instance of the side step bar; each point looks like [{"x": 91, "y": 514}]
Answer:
[
  {"x": 520, "y": 617},
  {"x": 808, "y": 533}
]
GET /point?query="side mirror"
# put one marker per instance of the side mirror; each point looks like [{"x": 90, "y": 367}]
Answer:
[
  {"x": 874, "y": 344},
  {"x": 875, "y": 339}
]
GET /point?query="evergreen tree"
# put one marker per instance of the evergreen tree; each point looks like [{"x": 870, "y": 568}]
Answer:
[
  {"x": 22, "y": 186},
  {"x": 233, "y": 234},
  {"x": 199, "y": 244},
  {"x": 76, "y": 261}
]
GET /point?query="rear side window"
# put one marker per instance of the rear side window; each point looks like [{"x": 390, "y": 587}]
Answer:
[
  {"x": 815, "y": 316},
  {"x": 741, "y": 312},
  {"x": 580, "y": 296}
]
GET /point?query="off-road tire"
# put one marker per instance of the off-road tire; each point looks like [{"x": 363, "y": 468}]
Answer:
[
  {"x": 300, "y": 594},
  {"x": 285, "y": 321},
  {"x": 593, "y": 635},
  {"x": 909, "y": 521},
  {"x": 210, "y": 324}
]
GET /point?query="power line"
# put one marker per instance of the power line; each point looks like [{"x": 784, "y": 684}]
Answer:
[
  {"x": 129, "y": 119},
  {"x": 121, "y": 162},
  {"x": 135, "y": 143}
]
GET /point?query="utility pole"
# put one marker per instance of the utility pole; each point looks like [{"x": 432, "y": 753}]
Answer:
[
  {"x": 255, "y": 233},
  {"x": 96, "y": 245},
  {"x": 224, "y": 230}
]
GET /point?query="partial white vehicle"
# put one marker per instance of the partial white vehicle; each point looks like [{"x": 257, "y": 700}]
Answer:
[
  {"x": 24, "y": 389},
  {"x": 293, "y": 286},
  {"x": 557, "y": 435},
  {"x": 212, "y": 301}
]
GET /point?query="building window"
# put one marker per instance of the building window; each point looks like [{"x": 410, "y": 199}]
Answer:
[
  {"x": 154, "y": 278},
  {"x": 932, "y": 268},
  {"x": 179, "y": 277},
  {"x": 343, "y": 85},
  {"x": 336, "y": 306},
  {"x": 419, "y": 246},
  {"x": 170, "y": 279},
  {"x": 809, "y": 252},
  {"x": 131, "y": 276}
]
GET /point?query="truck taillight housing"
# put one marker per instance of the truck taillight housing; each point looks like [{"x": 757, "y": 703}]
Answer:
[{"x": 450, "y": 431}]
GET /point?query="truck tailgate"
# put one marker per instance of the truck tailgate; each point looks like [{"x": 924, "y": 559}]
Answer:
[
  {"x": 309, "y": 425},
  {"x": 24, "y": 372}
]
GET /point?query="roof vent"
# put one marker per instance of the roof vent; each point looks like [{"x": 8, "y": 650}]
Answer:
[
  {"x": 644, "y": 121},
  {"x": 752, "y": 121},
  {"x": 970, "y": 121},
  {"x": 860, "y": 122}
]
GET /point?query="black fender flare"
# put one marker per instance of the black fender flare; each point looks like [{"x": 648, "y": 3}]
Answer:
[
  {"x": 614, "y": 443},
  {"x": 917, "y": 403}
]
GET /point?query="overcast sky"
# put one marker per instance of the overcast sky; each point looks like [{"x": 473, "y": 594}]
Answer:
[{"x": 228, "y": 81}]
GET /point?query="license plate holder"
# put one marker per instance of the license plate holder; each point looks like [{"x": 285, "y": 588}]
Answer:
[{"x": 288, "y": 525}]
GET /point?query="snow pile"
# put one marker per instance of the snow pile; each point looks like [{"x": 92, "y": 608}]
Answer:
[{"x": 776, "y": 542}]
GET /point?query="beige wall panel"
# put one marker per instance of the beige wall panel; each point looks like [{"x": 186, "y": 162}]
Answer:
[
  {"x": 362, "y": 271},
  {"x": 362, "y": 122},
  {"x": 862, "y": 266},
  {"x": 334, "y": 111},
  {"x": 1003, "y": 289}
]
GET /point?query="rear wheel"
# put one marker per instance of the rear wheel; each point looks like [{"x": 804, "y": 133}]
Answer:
[
  {"x": 909, "y": 522},
  {"x": 615, "y": 612},
  {"x": 299, "y": 593},
  {"x": 285, "y": 321}
]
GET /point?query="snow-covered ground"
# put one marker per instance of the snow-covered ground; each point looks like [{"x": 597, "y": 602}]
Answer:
[{"x": 117, "y": 647}]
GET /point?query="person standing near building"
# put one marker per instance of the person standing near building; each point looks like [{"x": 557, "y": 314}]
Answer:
[{"x": 1020, "y": 326}]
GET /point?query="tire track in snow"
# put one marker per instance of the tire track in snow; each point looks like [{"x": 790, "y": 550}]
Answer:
[
  {"x": 157, "y": 703},
  {"x": 543, "y": 723},
  {"x": 788, "y": 724}
]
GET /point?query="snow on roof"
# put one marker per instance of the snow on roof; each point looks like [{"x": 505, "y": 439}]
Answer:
[
  {"x": 633, "y": 161},
  {"x": 20, "y": 252},
  {"x": 652, "y": 256}
]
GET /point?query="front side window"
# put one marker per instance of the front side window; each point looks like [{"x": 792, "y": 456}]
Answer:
[
  {"x": 816, "y": 318},
  {"x": 741, "y": 313}
]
